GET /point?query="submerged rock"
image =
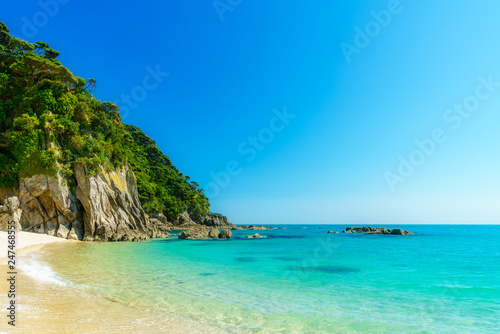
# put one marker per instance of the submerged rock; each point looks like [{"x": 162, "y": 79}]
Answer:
[{"x": 256, "y": 235}]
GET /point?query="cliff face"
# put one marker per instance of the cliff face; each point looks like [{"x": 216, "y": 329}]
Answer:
[
  {"x": 104, "y": 207},
  {"x": 111, "y": 207}
]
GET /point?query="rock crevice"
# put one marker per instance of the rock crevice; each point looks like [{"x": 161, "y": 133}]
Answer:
[{"x": 104, "y": 207}]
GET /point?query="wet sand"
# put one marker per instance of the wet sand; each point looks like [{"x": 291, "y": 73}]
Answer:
[{"x": 43, "y": 306}]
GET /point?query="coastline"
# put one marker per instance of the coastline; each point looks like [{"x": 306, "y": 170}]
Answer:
[
  {"x": 44, "y": 306},
  {"x": 27, "y": 242}
]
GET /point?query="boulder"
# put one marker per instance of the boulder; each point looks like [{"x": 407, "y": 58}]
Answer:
[
  {"x": 225, "y": 234},
  {"x": 331, "y": 231},
  {"x": 194, "y": 233},
  {"x": 62, "y": 231},
  {"x": 214, "y": 233}
]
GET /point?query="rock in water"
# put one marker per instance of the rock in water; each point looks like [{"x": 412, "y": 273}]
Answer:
[
  {"x": 256, "y": 235},
  {"x": 378, "y": 230},
  {"x": 226, "y": 234},
  {"x": 195, "y": 233},
  {"x": 214, "y": 233}
]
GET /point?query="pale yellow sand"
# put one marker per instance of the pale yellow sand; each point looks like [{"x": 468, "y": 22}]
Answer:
[
  {"x": 45, "y": 307},
  {"x": 26, "y": 242}
]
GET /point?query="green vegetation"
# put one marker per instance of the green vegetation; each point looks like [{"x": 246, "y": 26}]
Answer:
[{"x": 50, "y": 120}]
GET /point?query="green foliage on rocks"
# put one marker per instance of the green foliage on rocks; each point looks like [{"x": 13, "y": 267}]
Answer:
[{"x": 50, "y": 120}]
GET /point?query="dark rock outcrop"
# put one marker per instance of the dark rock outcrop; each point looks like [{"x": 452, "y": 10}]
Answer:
[
  {"x": 215, "y": 220},
  {"x": 377, "y": 230}
]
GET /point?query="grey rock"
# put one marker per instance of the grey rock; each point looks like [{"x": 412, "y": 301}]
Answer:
[{"x": 62, "y": 231}]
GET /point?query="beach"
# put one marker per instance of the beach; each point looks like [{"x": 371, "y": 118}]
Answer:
[
  {"x": 27, "y": 242},
  {"x": 47, "y": 304}
]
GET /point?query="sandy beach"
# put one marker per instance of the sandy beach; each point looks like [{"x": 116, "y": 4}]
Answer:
[
  {"x": 27, "y": 242},
  {"x": 46, "y": 306}
]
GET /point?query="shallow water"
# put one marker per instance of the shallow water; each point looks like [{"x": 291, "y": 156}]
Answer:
[{"x": 443, "y": 279}]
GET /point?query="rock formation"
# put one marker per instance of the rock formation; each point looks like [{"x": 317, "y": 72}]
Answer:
[
  {"x": 225, "y": 234},
  {"x": 101, "y": 207},
  {"x": 10, "y": 212},
  {"x": 377, "y": 230},
  {"x": 104, "y": 207},
  {"x": 215, "y": 220},
  {"x": 203, "y": 232},
  {"x": 252, "y": 227}
]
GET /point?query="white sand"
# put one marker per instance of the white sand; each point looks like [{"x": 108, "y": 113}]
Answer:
[{"x": 26, "y": 240}]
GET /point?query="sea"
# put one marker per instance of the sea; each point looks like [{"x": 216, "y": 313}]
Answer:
[{"x": 296, "y": 279}]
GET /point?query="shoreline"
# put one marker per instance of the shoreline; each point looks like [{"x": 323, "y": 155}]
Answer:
[
  {"x": 27, "y": 242},
  {"x": 42, "y": 306}
]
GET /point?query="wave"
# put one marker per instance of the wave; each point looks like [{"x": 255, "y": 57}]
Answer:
[{"x": 41, "y": 272}]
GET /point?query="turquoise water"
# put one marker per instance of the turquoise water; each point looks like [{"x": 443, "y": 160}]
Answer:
[{"x": 443, "y": 279}]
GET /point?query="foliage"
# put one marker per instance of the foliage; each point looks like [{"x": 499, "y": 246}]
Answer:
[{"x": 50, "y": 120}]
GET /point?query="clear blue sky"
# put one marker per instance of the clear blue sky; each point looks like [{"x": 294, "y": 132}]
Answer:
[{"x": 360, "y": 99}]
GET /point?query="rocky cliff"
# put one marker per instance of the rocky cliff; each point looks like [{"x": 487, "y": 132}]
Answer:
[{"x": 104, "y": 207}]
